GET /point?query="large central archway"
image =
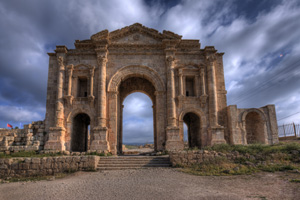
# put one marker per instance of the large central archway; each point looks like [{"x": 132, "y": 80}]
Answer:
[
  {"x": 127, "y": 87},
  {"x": 132, "y": 79}
]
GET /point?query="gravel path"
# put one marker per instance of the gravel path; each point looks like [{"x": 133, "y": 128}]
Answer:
[{"x": 154, "y": 184}]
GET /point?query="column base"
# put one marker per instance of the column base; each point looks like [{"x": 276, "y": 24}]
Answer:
[
  {"x": 56, "y": 139},
  {"x": 217, "y": 135},
  {"x": 173, "y": 142},
  {"x": 99, "y": 142}
]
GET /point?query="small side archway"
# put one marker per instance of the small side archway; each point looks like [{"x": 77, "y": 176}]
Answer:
[
  {"x": 255, "y": 127},
  {"x": 79, "y": 126},
  {"x": 196, "y": 125},
  {"x": 80, "y": 132}
]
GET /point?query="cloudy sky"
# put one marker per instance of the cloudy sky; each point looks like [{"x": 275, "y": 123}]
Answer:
[{"x": 260, "y": 38}]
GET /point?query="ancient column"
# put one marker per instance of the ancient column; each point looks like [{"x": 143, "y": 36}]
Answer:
[
  {"x": 70, "y": 73},
  {"x": 102, "y": 60},
  {"x": 92, "y": 69},
  {"x": 180, "y": 82},
  {"x": 173, "y": 141},
  {"x": 212, "y": 94},
  {"x": 171, "y": 92},
  {"x": 56, "y": 138},
  {"x": 202, "y": 82},
  {"x": 100, "y": 133}
]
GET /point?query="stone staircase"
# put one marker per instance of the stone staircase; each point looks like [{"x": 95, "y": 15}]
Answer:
[{"x": 132, "y": 162}]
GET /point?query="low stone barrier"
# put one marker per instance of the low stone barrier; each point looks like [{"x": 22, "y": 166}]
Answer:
[
  {"x": 191, "y": 157},
  {"x": 20, "y": 167},
  {"x": 187, "y": 158}
]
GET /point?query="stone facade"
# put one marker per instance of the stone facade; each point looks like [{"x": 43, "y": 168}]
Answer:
[{"x": 87, "y": 86}]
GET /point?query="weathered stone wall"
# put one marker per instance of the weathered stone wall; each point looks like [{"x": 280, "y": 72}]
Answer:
[
  {"x": 188, "y": 158},
  {"x": 18, "y": 167},
  {"x": 31, "y": 138},
  {"x": 238, "y": 121}
]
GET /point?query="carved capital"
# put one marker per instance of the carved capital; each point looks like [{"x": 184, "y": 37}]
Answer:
[
  {"x": 92, "y": 71},
  {"x": 70, "y": 70},
  {"x": 101, "y": 60},
  {"x": 211, "y": 58},
  {"x": 60, "y": 61},
  {"x": 201, "y": 71},
  {"x": 69, "y": 99},
  {"x": 170, "y": 61},
  {"x": 180, "y": 72}
]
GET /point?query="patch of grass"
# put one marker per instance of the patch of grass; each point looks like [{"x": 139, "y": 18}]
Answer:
[
  {"x": 295, "y": 180},
  {"x": 131, "y": 146},
  {"x": 222, "y": 168},
  {"x": 99, "y": 154},
  {"x": 251, "y": 158},
  {"x": 253, "y": 149}
]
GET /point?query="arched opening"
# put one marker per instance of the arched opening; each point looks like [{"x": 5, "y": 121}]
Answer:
[
  {"x": 137, "y": 112},
  {"x": 137, "y": 120},
  {"x": 254, "y": 128},
  {"x": 80, "y": 133},
  {"x": 192, "y": 122}
]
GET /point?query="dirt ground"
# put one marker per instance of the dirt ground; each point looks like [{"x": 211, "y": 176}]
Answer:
[{"x": 160, "y": 183}]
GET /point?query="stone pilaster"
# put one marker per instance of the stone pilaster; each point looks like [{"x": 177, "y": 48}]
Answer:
[
  {"x": 56, "y": 140},
  {"x": 173, "y": 141},
  {"x": 100, "y": 133},
  {"x": 216, "y": 131}
]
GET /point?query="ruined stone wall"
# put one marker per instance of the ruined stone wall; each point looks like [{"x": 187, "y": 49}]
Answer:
[
  {"x": 30, "y": 138},
  {"x": 20, "y": 167},
  {"x": 237, "y": 124}
]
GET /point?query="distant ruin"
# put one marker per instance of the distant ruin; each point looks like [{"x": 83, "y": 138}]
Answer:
[{"x": 87, "y": 86}]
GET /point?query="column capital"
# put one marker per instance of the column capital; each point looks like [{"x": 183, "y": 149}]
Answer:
[
  {"x": 180, "y": 72},
  {"x": 92, "y": 70},
  {"x": 101, "y": 59},
  {"x": 60, "y": 61},
  {"x": 170, "y": 61}
]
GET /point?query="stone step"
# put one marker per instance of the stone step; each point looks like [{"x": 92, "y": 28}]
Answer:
[
  {"x": 122, "y": 168},
  {"x": 134, "y": 165},
  {"x": 137, "y": 162},
  {"x": 132, "y": 162}
]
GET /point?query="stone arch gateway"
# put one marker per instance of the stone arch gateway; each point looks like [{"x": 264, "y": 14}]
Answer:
[{"x": 180, "y": 78}]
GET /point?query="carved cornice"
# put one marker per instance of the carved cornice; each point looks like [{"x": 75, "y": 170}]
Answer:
[{"x": 61, "y": 49}]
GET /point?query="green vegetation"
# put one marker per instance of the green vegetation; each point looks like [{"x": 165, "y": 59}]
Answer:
[
  {"x": 248, "y": 159},
  {"x": 99, "y": 154},
  {"x": 131, "y": 146},
  {"x": 256, "y": 148},
  {"x": 295, "y": 180}
]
